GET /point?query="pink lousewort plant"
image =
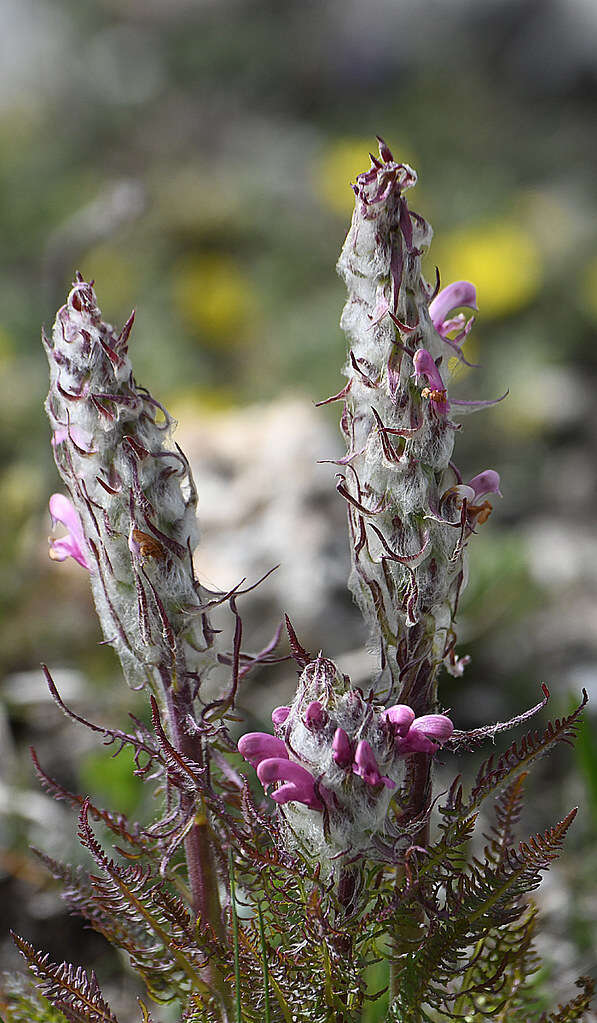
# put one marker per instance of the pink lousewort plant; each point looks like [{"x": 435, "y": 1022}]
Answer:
[
  {"x": 231, "y": 905},
  {"x": 343, "y": 755}
]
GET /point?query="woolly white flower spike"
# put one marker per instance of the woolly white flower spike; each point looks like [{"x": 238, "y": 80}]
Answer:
[
  {"x": 408, "y": 521},
  {"x": 342, "y": 755},
  {"x": 132, "y": 517}
]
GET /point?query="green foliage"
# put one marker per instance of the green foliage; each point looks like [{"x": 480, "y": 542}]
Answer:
[
  {"x": 22, "y": 1002},
  {"x": 111, "y": 778},
  {"x": 457, "y": 929}
]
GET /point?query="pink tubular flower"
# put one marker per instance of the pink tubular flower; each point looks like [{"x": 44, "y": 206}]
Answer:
[
  {"x": 73, "y": 544},
  {"x": 486, "y": 482},
  {"x": 299, "y": 784},
  {"x": 425, "y": 367},
  {"x": 400, "y": 717},
  {"x": 258, "y": 746},
  {"x": 341, "y": 749},
  {"x": 366, "y": 766},
  {"x": 315, "y": 716},
  {"x": 279, "y": 715},
  {"x": 461, "y": 293},
  {"x": 422, "y": 731}
]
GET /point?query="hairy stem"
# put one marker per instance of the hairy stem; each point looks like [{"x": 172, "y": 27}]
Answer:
[
  {"x": 198, "y": 851},
  {"x": 199, "y": 855}
]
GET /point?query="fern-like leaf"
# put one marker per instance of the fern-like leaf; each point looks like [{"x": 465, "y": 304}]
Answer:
[
  {"x": 482, "y": 934},
  {"x": 575, "y": 1010},
  {"x": 508, "y": 808},
  {"x": 494, "y": 774},
  {"x": 75, "y": 994}
]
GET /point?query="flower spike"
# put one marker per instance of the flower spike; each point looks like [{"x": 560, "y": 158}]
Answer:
[
  {"x": 400, "y": 438},
  {"x": 131, "y": 507},
  {"x": 358, "y": 750}
]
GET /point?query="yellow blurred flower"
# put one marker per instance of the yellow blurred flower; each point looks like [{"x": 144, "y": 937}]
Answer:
[
  {"x": 187, "y": 404},
  {"x": 471, "y": 351},
  {"x": 500, "y": 258},
  {"x": 339, "y": 165},
  {"x": 214, "y": 297},
  {"x": 20, "y": 491}
]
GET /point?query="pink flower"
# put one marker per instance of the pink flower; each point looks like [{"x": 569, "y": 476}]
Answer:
[
  {"x": 269, "y": 756},
  {"x": 258, "y": 746},
  {"x": 279, "y": 715},
  {"x": 422, "y": 731},
  {"x": 73, "y": 544},
  {"x": 315, "y": 716},
  {"x": 435, "y": 391},
  {"x": 461, "y": 293},
  {"x": 366, "y": 766},
  {"x": 486, "y": 482},
  {"x": 400, "y": 717},
  {"x": 341, "y": 749},
  {"x": 299, "y": 784}
]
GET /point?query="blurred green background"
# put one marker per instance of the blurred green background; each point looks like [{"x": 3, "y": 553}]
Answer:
[{"x": 194, "y": 157}]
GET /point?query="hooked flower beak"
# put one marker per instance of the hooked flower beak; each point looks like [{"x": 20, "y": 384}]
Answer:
[
  {"x": 461, "y": 293},
  {"x": 299, "y": 784},
  {"x": 416, "y": 735},
  {"x": 366, "y": 766},
  {"x": 258, "y": 746},
  {"x": 422, "y": 732},
  {"x": 486, "y": 482}
]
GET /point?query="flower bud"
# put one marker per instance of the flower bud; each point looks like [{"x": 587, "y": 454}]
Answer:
[{"x": 279, "y": 715}]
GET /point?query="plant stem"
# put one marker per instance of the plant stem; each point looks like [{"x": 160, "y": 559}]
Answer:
[
  {"x": 420, "y": 802},
  {"x": 235, "y": 939},
  {"x": 203, "y": 882},
  {"x": 263, "y": 947},
  {"x": 198, "y": 851}
]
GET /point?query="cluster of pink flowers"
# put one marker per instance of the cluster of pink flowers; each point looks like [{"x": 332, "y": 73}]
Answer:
[{"x": 399, "y": 731}]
